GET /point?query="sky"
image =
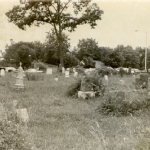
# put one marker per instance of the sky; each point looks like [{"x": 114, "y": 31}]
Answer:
[{"x": 120, "y": 20}]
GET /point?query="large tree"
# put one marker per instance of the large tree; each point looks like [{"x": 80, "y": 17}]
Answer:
[{"x": 56, "y": 13}]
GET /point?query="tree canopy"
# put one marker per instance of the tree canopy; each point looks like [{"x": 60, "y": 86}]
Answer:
[{"x": 55, "y": 13}]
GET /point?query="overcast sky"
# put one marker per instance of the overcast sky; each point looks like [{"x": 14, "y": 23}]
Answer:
[{"x": 120, "y": 20}]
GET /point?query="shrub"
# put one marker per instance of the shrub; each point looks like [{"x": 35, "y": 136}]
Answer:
[
  {"x": 92, "y": 80},
  {"x": 33, "y": 76},
  {"x": 42, "y": 66},
  {"x": 74, "y": 88},
  {"x": 113, "y": 105}
]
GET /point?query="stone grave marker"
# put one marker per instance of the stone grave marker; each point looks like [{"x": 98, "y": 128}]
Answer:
[
  {"x": 86, "y": 95},
  {"x": 141, "y": 82},
  {"x": 121, "y": 82},
  {"x": 67, "y": 73},
  {"x": 2, "y": 72},
  {"x": 63, "y": 70},
  {"x": 23, "y": 115},
  {"x": 49, "y": 71},
  {"x": 106, "y": 79},
  {"x": 75, "y": 74},
  {"x": 56, "y": 79},
  {"x": 19, "y": 79}
]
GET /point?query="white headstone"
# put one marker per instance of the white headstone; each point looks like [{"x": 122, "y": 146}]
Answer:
[
  {"x": 63, "y": 70},
  {"x": 23, "y": 115},
  {"x": 67, "y": 74},
  {"x": 74, "y": 70},
  {"x": 49, "y": 71},
  {"x": 75, "y": 74},
  {"x": 2, "y": 72},
  {"x": 19, "y": 79},
  {"x": 106, "y": 79},
  {"x": 56, "y": 79}
]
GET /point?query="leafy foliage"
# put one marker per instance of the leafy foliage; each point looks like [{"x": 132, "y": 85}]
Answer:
[
  {"x": 113, "y": 105},
  {"x": 33, "y": 76},
  {"x": 55, "y": 13}
]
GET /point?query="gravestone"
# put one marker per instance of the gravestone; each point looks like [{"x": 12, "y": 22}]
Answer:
[
  {"x": 2, "y": 72},
  {"x": 63, "y": 70},
  {"x": 23, "y": 115},
  {"x": 75, "y": 74},
  {"x": 56, "y": 79},
  {"x": 141, "y": 82},
  {"x": 129, "y": 70},
  {"x": 86, "y": 95},
  {"x": 67, "y": 73},
  {"x": 121, "y": 82},
  {"x": 19, "y": 79},
  {"x": 106, "y": 79},
  {"x": 49, "y": 71}
]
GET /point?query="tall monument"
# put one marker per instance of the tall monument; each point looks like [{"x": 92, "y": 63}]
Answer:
[{"x": 19, "y": 79}]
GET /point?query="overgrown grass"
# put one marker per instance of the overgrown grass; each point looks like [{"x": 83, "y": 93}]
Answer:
[{"x": 59, "y": 122}]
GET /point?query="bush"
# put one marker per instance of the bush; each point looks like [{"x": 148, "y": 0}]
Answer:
[
  {"x": 74, "y": 88},
  {"x": 33, "y": 76},
  {"x": 42, "y": 66},
  {"x": 89, "y": 62},
  {"x": 112, "y": 105},
  {"x": 92, "y": 80}
]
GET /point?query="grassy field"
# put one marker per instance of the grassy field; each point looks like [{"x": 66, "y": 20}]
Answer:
[{"x": 59, "y": 122}]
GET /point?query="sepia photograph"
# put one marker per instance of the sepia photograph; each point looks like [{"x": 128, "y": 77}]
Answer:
[{"x": 74, "y": 75}]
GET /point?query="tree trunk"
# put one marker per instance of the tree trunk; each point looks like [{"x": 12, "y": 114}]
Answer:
[{"x": 61, "y": 53}]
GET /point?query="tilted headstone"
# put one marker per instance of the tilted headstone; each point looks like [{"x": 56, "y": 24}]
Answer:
[
  {"x": 2, "y": 72},
  {"x": 19, "y": 79},
  {"x": 49, "y": 71}
]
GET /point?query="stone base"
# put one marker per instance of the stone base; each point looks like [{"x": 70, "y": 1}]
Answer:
[
  {"x": 86, "y": 95},
  {"x": 18, "y": 87}
]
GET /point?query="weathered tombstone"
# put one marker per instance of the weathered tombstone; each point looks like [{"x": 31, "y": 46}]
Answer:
[
  {"x": 129, "y": 70},
  {"x": 86, "y": 95},
  {"x": 67, "y": 73},
  {"x": 23, "y": 115},
  {"x": 144, "y": 80},
  {"x": 141, "y": 81},
  {"x": 49, "y": 71},
  {"x": 2, "y": 72},
  {"x": 74, "y": 70},
  {"x": 75, "y": 74},
  {"x": 19, "y": 79},
  {"x": 3, "y": 114},
  {"x": 121, "y": 71},
  {"x": 56, "y": 79},
  {"x": 106, "y": 79},
  {"x": 121, "y": 82},
  {"x": 63, "y": 70}
]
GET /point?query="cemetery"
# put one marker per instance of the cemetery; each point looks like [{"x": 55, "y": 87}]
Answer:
[
  {"x": 65, "y": 86},
  {"x": 53, "y": 119}
]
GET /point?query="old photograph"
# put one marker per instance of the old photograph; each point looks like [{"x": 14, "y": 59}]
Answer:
[{"x": 74, "y": 74}]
